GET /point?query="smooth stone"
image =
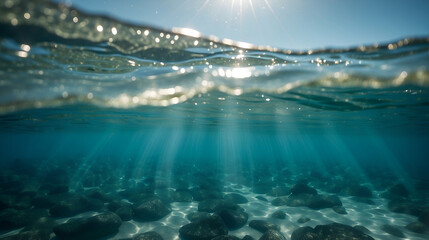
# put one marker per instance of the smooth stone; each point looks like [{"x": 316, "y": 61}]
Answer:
[
  {"x": 42, "y": 202},
  {"x": 228, "y": 205},
  {"x": 98, "y": 226},
  {"x": 233, "y": 219},
  {"x": 148, "y": 236},
  {"x": 248, "y": 237},
  {"x": 53, "y": 189},
  {"x": 96, "y": 193},
  {"x": 125, "y": 213},
  {"x": 417, "y": 227},
  {"x": 217, "y": 205},
  {"x": 323, "y": 201},
  {"x": 39, "y": 230},
  {"x": 304, "y": 233},
  {"x": 91, "y": 180},
  {"x": 261, "y": 189},
  {"x": 363, "y": 200},
  {"x": 424, "y": 217},
  {"x": 279, "y": 214},
  {"x": 114, "y": 205},
  {"x": 43, "y": 224},
  {"x": 339, "y": 231},
  {"x": 151, "y": 210},
  {"x": 422, "y": 185},
  {"x": 263, "y": 226},
  {"x": 362, "y": 229},
  {"x": 301, "y": 200},
  {"x": 75, "y": 205},
  {"x": 394, "y": 231},
  {"x": 411, "y": 208},
  {"x": 272, "y": 235},
  {"x": 279, "y": 191},
  {"x": 303, "y": 219},
  {"x": 225, "y": 237},
  {"x": 280, "y": 201},
  {"x": 210, "y": 183},
  {"x": 165, "y": 195},
  {"x": 195, "y": 216},
  {"x": 136, "y": 196},
  {"x": 11, "y": 218},
  {"x": 209, "y": 205},
  {"x": 204, "y": 229},
  {"x": 329, "y": 232},
  {"x": 339, "y": 209},
  {"x": 28, "y": 235},
  {"x": 398, "y": 190},
  {"x": 302, "y": 188},
  {"x": 201, "y": 194},
  {"x": 26, "y": 194},
  {"x": 308, "y": 200},
  {"x": 182, "y": 196},
  {"x": 261, "y": 198},
  {"x": 335, "y": 187},
  {"x": 6, "y": 201},
  {"x": 359, "y": 191},
  {"x": 236, "y": 198},
  {"x": 57, "y": 175}
]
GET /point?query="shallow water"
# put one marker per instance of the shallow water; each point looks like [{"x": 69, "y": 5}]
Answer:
[{"x": 88, "y": 102}]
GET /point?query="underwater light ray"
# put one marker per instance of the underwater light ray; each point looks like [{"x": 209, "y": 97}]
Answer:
[
  {"x": 147, "y": 152},
  {"x": 61, "y": 144},
  {"x": 348, "y": 156},
  {"x": 231, "y": 152},
  {"x": 130, "y": 154},
  {"x": 173, "y": 144},
  {"x": 391, "y": 160},
  {"x": 232, "y": 141},
  {"x": 90, "y": 159},
  {"x": 246, "y": 161}
]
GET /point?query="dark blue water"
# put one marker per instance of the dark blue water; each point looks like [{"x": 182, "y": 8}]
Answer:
[{"x": 97, "y": 113}]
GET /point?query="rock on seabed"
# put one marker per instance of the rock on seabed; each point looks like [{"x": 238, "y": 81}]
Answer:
[{"x": 98, "y": 226}]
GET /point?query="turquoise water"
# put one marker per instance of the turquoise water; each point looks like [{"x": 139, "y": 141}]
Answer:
[{"x": 88, "y": 102}]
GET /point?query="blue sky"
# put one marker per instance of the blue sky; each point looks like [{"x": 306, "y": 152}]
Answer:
[{"x": 290, "y": 24}]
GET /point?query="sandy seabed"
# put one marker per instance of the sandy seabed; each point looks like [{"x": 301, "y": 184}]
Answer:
[{"x": 370, "y": 216}]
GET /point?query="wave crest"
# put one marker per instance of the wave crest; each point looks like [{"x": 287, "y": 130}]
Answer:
[{"x": 53, "y": 55}]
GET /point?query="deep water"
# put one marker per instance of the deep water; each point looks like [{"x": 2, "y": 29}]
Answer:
[{"x": 140, "y": 133}]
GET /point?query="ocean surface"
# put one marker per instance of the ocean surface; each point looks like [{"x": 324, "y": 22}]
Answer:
[{"x": 153, "y": 126}]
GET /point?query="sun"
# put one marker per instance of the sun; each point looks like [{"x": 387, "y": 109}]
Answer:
[{"x": 238, "y": 6}]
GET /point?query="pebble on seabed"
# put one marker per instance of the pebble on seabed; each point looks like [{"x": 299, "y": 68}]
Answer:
[{"x": 220, "y": 209}]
